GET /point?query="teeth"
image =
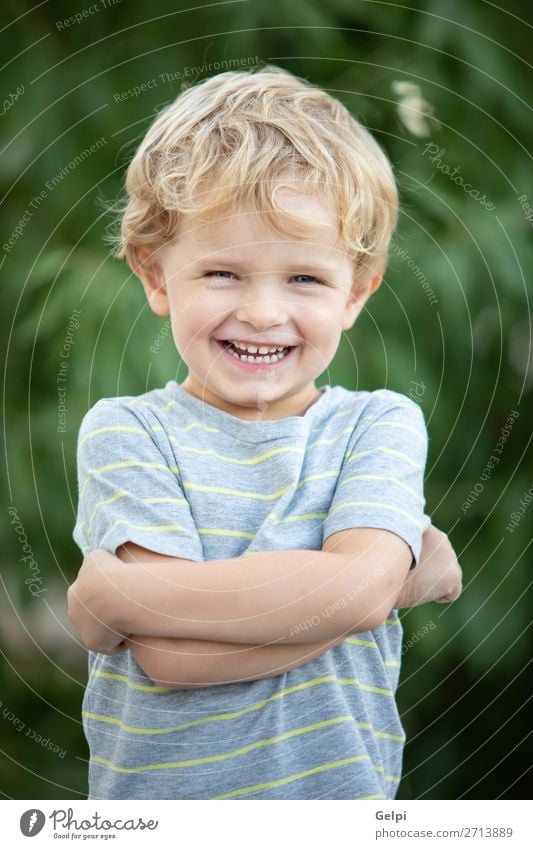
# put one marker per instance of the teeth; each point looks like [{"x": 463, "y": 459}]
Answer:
[
  {"x": 253, "y": 349},
  {"x": 273, "y": 358}
]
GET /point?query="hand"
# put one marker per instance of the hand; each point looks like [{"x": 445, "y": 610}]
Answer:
[
  {"x": 438, "y": 576},
  {"x": 86, "y": 599}
]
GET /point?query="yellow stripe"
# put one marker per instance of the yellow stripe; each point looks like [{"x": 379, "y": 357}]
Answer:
[
  {"x": 192, "y": 425},
  {"x": 388, "y": 777},
  {"x": 400, "y": 454},
  {"x": 152, "y": 529},
  {"x": 392, "y": 622},
  {"x": 298, "y": 518},
  {"x": 108, "y": 428},
  {"x": 115, "y": 676},
  {"x": 120, "y": 494},
  {"x": 386, "y": 736},
  {"x": 271, "y": 741},
  {"x": 400, "y": 424},
  {"x": 336, "y": 416},
  {"x": 164, "y": 500},
  {"x": 372, "y": 645},
  {"x": 165, "y": 408},
  {"x": 368, "y": 687},
  {"x": 172, "y": 729},
  {"x": 383, "y": 478},
  {"x": 236, "y": 492},
  {"x": 223, "y": 532},
  {"x": 333, "y": 439},
  {"x": 259, "y": 495},
  {"x": 351, "y": 456},
  {"x": 205, "y": 487},
  {"x": 334, "y": 473},
  {"x": 258, "y": 705},
  {"x": 270, "y": 784},
  {"x": 375, "y": 504},
  {"x": 125, "y": 464},
  {"x": 248, "y": 462},
  {"x": 343, "y": 412},
  {"x": 369, "y": 643}
]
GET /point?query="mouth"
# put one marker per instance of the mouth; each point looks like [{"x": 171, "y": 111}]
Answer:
[{"x": 258, "y": 355}]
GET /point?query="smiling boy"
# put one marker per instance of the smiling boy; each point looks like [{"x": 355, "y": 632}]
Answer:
[{"x": 251, "y": 646}]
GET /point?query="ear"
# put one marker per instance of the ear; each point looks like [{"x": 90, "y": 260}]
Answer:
[
  {"x": 147, "y": 268},
  {"x": 359, "y": 295}
]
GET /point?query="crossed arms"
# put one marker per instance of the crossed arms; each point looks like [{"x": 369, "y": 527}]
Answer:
[{"x": 191, "y": 625}]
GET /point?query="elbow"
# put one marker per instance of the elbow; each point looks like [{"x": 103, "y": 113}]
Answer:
[
  {"x": 367, "y": 612},
  {"x": 379, "y": 617},
  {"x": 360, "y": 621}
]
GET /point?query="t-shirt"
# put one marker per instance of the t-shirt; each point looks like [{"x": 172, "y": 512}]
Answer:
[{"x": 180, "y": 477}]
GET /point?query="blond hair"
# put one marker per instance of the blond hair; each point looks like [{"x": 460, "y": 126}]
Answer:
[{"x": 226, "y": 140}]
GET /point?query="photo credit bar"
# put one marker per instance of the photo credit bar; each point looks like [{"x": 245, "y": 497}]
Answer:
[{"x": 308, "y": 823}]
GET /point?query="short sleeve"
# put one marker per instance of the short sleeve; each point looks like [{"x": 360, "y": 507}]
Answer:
[
  {"x": 129, "y": 488},
  {"x": 381, "y": 481}
]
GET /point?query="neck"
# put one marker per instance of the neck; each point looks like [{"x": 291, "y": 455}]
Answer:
[{"x": 296, "y": 405}]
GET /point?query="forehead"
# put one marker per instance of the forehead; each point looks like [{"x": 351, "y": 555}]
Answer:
[{"x": 314, "y": 228}]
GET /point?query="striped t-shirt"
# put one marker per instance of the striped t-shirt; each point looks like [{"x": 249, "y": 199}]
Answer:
[{"x": 180, "y": 477}]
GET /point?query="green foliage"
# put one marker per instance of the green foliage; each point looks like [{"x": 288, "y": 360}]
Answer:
[{"x": 469, "y": 349}]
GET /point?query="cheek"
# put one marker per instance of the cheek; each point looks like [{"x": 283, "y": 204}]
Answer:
[
  {"x": 321, "y": 323},
  {"x": 194, "y": 318}
]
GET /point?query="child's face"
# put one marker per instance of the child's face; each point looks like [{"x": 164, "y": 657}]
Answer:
[{"x": 236, "y": 279}]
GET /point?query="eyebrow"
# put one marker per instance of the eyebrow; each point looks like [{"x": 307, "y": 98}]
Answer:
[{"x": 316, "y": 265}]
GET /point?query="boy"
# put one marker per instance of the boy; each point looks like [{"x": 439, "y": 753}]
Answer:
[{"x": 251, "y": 647}]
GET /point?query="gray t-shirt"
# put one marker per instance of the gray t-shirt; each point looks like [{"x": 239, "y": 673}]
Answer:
[{"x": 180, "y": 477}]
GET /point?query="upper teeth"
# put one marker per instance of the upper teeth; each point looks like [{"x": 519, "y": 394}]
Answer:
[{"x": 252, "y": 349}]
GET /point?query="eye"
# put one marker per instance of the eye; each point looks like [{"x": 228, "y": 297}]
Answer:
[
  {"x": 219, "y": 278},
  {"x": 218, "y": 274},
  {"x": 310, "y": 278}
]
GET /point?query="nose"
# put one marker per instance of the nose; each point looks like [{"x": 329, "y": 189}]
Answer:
[{"x": 264, "y": 306}]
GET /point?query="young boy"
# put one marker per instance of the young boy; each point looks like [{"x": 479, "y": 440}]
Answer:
[{"x": 250, "y": 649}]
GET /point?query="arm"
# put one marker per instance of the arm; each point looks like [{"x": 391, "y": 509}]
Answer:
[
  {"x": 197, "y": 663},
  {"x": 190, "y": 663},
  {"x": 183, "y": 664},
  {"x": 186, "y": 664},
  {"x": 269, "y": 600}
]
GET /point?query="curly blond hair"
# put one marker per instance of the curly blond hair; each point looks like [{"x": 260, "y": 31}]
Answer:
[{"x": 226, "y": 140}]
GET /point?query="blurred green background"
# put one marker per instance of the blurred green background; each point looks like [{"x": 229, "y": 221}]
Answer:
[{"x": 442, "y": 87}]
